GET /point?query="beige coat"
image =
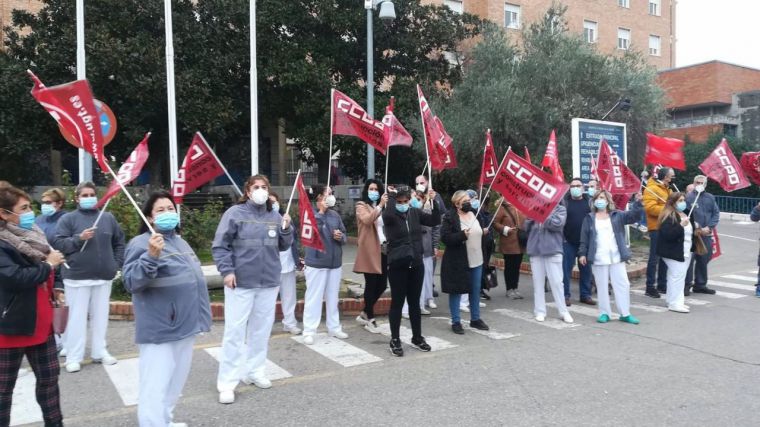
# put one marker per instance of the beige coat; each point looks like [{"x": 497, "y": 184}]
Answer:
[
  {"x": 509, "y": 244},
  {"x": 368, "y": 249}
]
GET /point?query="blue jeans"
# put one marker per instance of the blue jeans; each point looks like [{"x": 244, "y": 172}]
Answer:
[
  {"x": 454, "y": 299},
  {"x": 697, "y": 274},
  {"x": 569, "y": 258},
  {"x": 657, "y": 271}
]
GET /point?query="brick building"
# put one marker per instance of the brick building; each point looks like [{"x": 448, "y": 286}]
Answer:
[
  {"x": 712, "y": 97},
  {"x": 613, "y": 25},
  {"x": 7, "y": 6}
]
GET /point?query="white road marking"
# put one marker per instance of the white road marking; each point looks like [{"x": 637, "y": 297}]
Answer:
[
  {"x": 271, "y": 370},
  {"x": 687, "y": 300},
  {"x": 125, "y": 377},
  {"x": 739, "y": 286},
  {"x": 586, "y": 311},
  {"x": 405, "y": 335},
  {"x": 25, "y": 409},
  {"x": 528, "y": 317},
  {"x": 338, "y": 350},
  {"x": 737, "y": 237},
  {"x": 494, "y": 335},
  {"x": 740, "y": 277}
]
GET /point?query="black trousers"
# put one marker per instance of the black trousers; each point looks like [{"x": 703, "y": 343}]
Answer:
[
  {"x": 512, "y": 270},
  {"x": 374, "y": 287},
  {"x": 406, "y": 285}
]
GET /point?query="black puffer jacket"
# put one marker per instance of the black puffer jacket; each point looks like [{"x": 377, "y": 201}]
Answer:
[
  {"x": 404, "y": 232},
  {"x": 670, "y": 240},
  {"x": 19, "y": 279}
]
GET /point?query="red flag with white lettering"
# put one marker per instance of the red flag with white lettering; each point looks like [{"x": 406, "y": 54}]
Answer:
[
  {"x": 440, "y": 145},
  {"x": 751, "y": 165},
  {"x": 613, "y": 174},
  {"x": 72, "y": 106},
  {"x": 199, "y": 167},
  {"x": 664, "y": 151},
  {"x": 349, "y": 118},
  {"x": 490, "y": 162},
  {"x": 551, "y": 157},
  {"x": 531, "y": 190},
  {"x": 307, "y": 220},
  {"x": 129, "y": 170},
  {"x": 394, "y": 132},
  {"x": 722, "y": 167},
  {"x": 715, "y": 244}
]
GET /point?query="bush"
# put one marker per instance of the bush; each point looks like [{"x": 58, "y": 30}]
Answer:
[{"x": 199, "y": 227}]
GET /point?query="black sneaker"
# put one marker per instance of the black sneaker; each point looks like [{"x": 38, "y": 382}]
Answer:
[
  {"x": 662, "y": 290},
  {"x": 396, "y": 349},
  {"x": 457, "y": 328},
  {"x": 435, "y": 293},
  {"x": 652, "y": 292},
  {"x": 420, "y": 344},
  {"x": 484, "y": 295},
  {"x": 703, "y": 290},
  {"x": 687, "y": 291},
  {"x": 479, "y": 324}
]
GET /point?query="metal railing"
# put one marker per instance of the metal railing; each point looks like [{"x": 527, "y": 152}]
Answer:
[{"x": 742, "y": 205}]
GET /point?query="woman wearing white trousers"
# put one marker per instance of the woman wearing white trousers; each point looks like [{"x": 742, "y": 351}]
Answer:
[
  {"x": 323, "y": 270},
  {"x": 545, "y": 251},
  {"x": 675, "y": 245},
  {"x": 171, "y": 303},
  {"x": 289, "y": 262},
  {"x": 246, "y": 251},
  {"x": 603, "y": 246},
  {"x": 94, "y": 254}
]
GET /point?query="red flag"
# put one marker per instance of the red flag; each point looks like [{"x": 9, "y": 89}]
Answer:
[
  {"x": 528, "y": 188},
  {"x": 439, "y": 143},
  {"x": 751, "y": 166},
  {"x": 613, "y": 174},
  {"x": 527, "y": 155},
  {"x": 72, "y": 106},
  {"x": 307, "y": 220},
  {"x": 722, "y": 167},
  {"x": 490, "y": 162},
  {"x": 665, "y": 151},
  {"x": 551, "y": 157},
  {"x": 349, "y": 118},
  {"x": 715, "y": 244},
  {"x": 393, "y": 132},
  {"x": 199, "y": 167},
  {"x": 128, "y": 171}
]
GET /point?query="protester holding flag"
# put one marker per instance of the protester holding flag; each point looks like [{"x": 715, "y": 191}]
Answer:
[
  {"x": 484, "y": 219},
  {"x": 170, "y": 299},
  {"x": 755, "y": 217},
  {"x": 675, "y": 244},
  {"x": 246, "y": 250},
  {"x": 52, "y": 211},
  {"x": 371, "y": 259},
  {"x": 578, "y": 207},
  {"x": 89, "y": 278},
  {"x": 508, "y": 223},
  {"x": 323, "y": 270},
  {"x": 655, "y": 195},
  {"x": 462, "y": 263},
  {"x": 603, "y": 248},
  {"x": 290, "y": 261},
  {"x": 421, "y": 185},
  {"x": 706, "y": 216},
  {"x": 403, "y": 229}
]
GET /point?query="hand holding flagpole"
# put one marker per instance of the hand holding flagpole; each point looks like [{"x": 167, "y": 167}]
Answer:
[
  {"x": 97, "y": 220},
  {"x": 293, "y": 191}
]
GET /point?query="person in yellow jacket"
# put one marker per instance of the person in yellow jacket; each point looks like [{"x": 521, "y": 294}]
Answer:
[{"x": 656, "y": 193}]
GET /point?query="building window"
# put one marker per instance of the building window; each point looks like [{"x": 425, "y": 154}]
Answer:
[
  {"x": 511, "y": 15},
  {"x": 589, "y": 31},
  {"x": 654, "y": 7},
  {"x": 624, "y": 38},
  {"x": 730, "y": 130},
  {"x": 456, "y": 6},
  {"x": 654, "y": 45},
  {"x": 624, "y": 3}
]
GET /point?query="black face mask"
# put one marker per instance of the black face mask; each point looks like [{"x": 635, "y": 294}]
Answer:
[{"x": 466, "y": 207}]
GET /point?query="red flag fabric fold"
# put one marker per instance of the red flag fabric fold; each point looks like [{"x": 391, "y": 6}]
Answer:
[
  {"x": 665, "y": 151},
  {"x": 551, "y": 157},
  {"x": 199, "y": 167},
  {"x": 527, "y": 155},
  {"x": 440, "y": 145},
  {"x": 129, "y": 170},
  {"x": 716, "y": 252},
  {"x": 394, "y": 132},
  {"x": 349, "y": 118},
  {"x": 722, "y": 167},
  {"x": 307, "y": 220},
  {"x": 490, "y": 162},
  {"x": 751, "y": 165},
  {"x": 614, "y": 175}
]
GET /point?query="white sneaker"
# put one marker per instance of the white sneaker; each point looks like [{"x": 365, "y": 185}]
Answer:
[
  {"x": 63, "y": 352},
  {"x": 259, "y": 381},
  {"x": 106, "y": 360},
  {"x": 371, "y": 326},
  {"x": 567, "y": 318},
  {"x": 432, "y": 304},
  {"x": 308, "y": 339},
  {"x": 540, "y": 317},
  {"x": 339, "y": 334},
  {"x": 295, "y": 330},
  {"x": 405, "y": 315},
  {"x": 362, "y": 318},
  {"x": 464, "y": 308},
  {"x": 227, "y": 397},
  {"x": 678, "y": 309},
  {"x": 516, "y": 294},
  {"x": 482, "y": 304},
  {"x": 424, "y": 312},
  {"x": 73, "y": 367}
]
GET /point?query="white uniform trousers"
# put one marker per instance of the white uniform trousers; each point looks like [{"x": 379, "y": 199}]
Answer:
[
  {"x": 163, "y": 371},
  {"x": 676, "y": 279},
  {"x": 251, "y": 311},
  {"x": 543, "y": 267},
  {"x": 288, "y": 299},
  {"x": 321, "y": 284},
  {"x": 427, "y": 281},
  {"x": 618, "y": 277},
  {"x": 83, "y": 297}
]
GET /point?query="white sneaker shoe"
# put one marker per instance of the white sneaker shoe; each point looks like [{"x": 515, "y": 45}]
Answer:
[
  {"x": 432, "y": 304},
  {"x": 227, "y": 397},
  {"x": 308, "y": 339},
  {"x": 259, "y": 381},
  {"x": 482, "y": 305},
  {"x": 73, "y": 367},
  {"x": 295, "y": 330},
  {"x": 540, "y": 317},
  {"x": 106, "y": 360},
  {"x": 63, "y": 352},
  {"x": 567, "y": 318},
  {"x": 371, "y": 326},
  {"x": 424, "y": 312},
  {"x": 339, "y": 334},
  {"x": 516, "y": 295},
  {"x": 678, "y": 309},
  {"x": 362, "y": 318},
  {"x": 405, "y": 315},
  {"x": 464, "y": 308}
]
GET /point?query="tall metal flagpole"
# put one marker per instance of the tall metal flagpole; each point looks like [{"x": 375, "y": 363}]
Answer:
[
  {"x": 370, "y": 86},
  {"x": 85, "y": 159},
  {"x": 171, "y": 105},
  {"x": 254, "y": 93}
]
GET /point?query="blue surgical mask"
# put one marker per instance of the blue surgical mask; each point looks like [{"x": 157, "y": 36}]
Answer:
[
  {"x": 415, "y": 203},
  {"x": 402, "y": 208},
  {"x": 166, "y": 221},
  {"x": 88, "y": 202},
  {"x": 275, "y": 206},
  {"x": 681, "y": 206},
  {"x": 25, "y": 220},
  {"x": 600, "y": 204},
  {"x": 373, "y": 195},
  {"x": 591, "y": 191},
  {"x": 576, "y": 192},
  {"x": 48, "y": 210},
  {"x": 475, "y": 204}
]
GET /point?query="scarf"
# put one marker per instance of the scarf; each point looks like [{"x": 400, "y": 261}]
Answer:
[{"x": 31, "y": 243}]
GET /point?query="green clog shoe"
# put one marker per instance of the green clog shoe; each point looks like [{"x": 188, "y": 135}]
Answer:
[
  {"x": 603, "y": 318},
  {"x": 629, "y": 319}
]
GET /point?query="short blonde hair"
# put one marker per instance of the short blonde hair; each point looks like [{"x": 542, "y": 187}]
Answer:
[
  {"x": 55, "y": 194},
  {"x": 458, "y": 196}
]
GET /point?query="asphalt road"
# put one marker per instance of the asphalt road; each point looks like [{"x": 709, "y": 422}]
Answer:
[{"x": 673, "y": 369}]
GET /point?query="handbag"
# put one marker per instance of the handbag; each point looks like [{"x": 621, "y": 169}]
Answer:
[
  {"x": 60, "y": 318},
  {"x": 489, "y": 279},
  {"x": 699, "y": 245}
]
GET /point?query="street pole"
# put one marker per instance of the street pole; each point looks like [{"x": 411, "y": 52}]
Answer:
[
  {"x": 171, "y": 106},
  {"x": 85, "y": 160},
  {"x": 368, "y": 4},
  {"x": 254, "y": 93}
]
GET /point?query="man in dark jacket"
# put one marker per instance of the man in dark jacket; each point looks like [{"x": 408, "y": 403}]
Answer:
[
  {"x": 578, "y": 207},
  {"x": 706, "y": 215}
]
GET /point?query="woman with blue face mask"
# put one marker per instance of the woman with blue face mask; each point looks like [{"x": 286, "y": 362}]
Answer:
[
  {"x": 675, "y": 245},
  {"x": 371, "y": 259},
  {"x": 52, "y": 211},
  {"x": 171, "y": 304},
  {"x": 418, "y": 201}
]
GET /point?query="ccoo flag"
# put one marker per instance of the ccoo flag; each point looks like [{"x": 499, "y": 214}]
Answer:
[
  {"x": 308, "y": 221},
  {"x": 128, "y": 171}
]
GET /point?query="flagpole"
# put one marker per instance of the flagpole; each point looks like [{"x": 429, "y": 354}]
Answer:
[
  {"x": 653, "y": 193},
  {"x": 427, "y": 150},
  {"x": 97, "y": 220},
  {"x": 695, "y": 203},
  {"x": 129, "y": 196},
  {"x": 171, "y": 103},
  {"x": 494, "y": 216},
  {"x": 425, "y": 168},
  {"x": 329, "y": 153},
  {"x": 85, "y": 159},
  {"x": 254, "y": 93},
  {"x": 495, "y": 177},
  {"x": 480, "y": 193},
  {"x": 387, "y": 157},
  {"x": 293, "y": 191},
  {"x": 220, "y": 164}
]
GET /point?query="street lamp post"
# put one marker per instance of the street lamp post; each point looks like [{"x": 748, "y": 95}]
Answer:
[{"x": 387, "y": 14}]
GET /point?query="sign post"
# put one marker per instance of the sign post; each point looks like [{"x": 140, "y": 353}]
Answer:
[{"x": 587, "y": 135}]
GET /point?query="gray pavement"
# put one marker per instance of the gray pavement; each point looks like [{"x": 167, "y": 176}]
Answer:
[{"x": 672, "y": 369}]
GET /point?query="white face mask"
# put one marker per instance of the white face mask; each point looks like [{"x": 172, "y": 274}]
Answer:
[
  {"x": 420, "y": 187},
  {"x": 259, "y": 196},
  {"x": 330, "y": 201},
  {"x": 699, "y": 188}
]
